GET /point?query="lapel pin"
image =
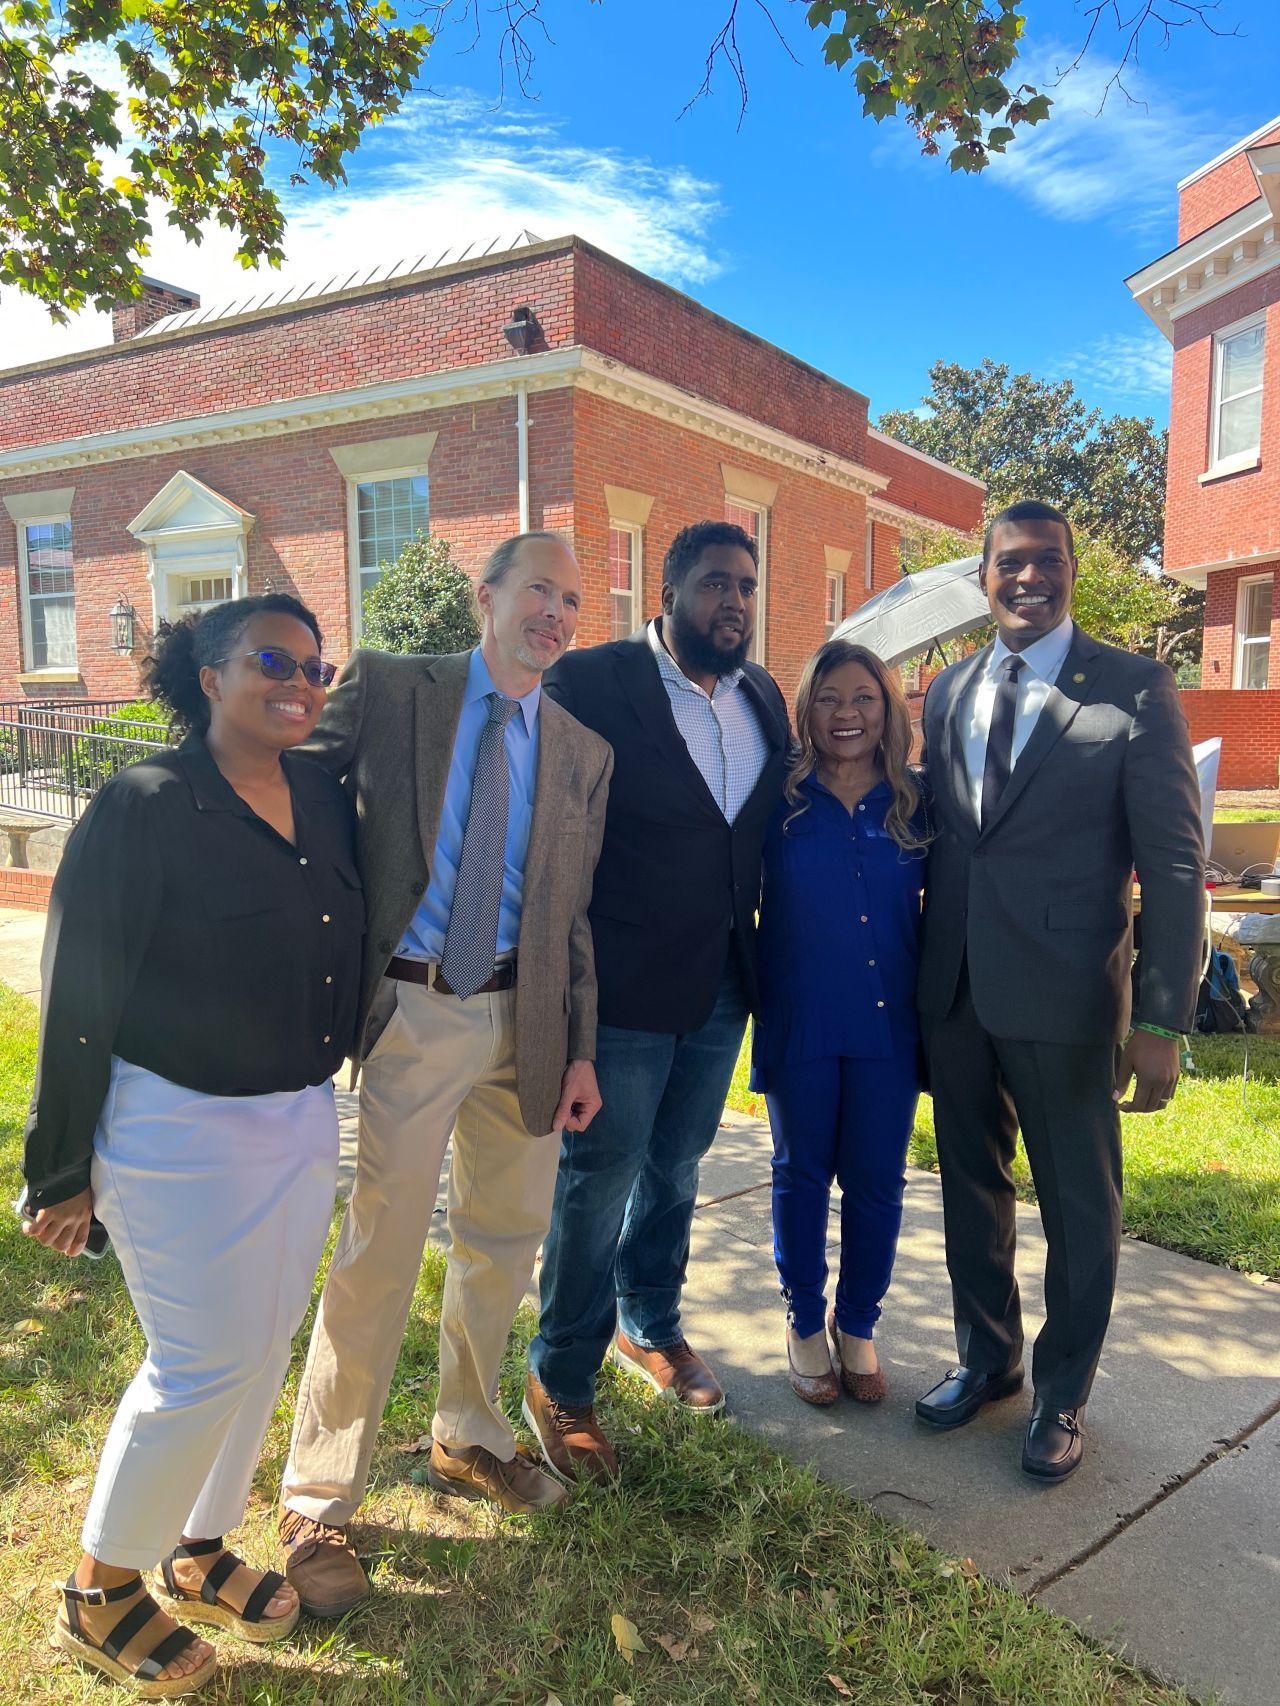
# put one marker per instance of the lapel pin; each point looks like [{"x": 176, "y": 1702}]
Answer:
[{"x": 1078, "y": 677}]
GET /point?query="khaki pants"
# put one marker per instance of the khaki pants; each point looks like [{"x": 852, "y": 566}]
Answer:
[{"x": 439, "y": 1065}]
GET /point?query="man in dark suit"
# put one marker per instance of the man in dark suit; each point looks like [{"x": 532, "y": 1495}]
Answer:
[
  {"x": 699, "y": 737},
  {"x": 1058, "y": 766}
]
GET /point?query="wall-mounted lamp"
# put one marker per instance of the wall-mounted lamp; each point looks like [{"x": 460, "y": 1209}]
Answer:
[
  {"x": 123, "y": 622},
  {"x": 521, "y": 329}
]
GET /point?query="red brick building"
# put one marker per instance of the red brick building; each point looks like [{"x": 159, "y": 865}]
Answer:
[
  {"x": 1216, "y": 297},
  {"x": 296, "y": 440}
]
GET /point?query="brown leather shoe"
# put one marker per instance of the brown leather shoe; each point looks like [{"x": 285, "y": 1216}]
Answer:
[
  {"x": 676, "y": 1372},
  {"x": 321, "y": 1565},
  {"x": 819, "y": 1384},
  {"x": 471, "y": 1472},
  {"x": 866, "y": 1388},
  {"x": 568, "y": 1435}
]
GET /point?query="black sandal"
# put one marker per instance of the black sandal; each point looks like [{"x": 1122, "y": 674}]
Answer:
[
  {"x": 249, "y": 1624},
  {"x": 144, "y": 1678}
]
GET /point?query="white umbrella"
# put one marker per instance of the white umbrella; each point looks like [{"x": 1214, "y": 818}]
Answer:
[{"x": 919, "y": 611}]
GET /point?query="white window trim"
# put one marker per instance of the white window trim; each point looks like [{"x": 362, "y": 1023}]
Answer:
[
  {"x": 759, "y": 637},
  {"x": 836, "y": 578},
  {"x": 1242, "y": 594},
  {"x": 410, "y": 471},
  {"x": 869, "y": 556},
  {"x": 51, "y": 671},
  {"x": 1245, "y": 458},
  {"x": 636, "y": 534}
]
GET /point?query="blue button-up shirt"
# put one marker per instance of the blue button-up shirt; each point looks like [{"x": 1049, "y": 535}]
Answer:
[
  {"x": 839, "y": 934},
  {"x": 424, "y": 938}
]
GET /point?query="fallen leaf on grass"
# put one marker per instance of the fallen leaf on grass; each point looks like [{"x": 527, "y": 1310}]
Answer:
[
  {"x": 623, "y": 1700},
  {"x": 969, "y": 1569},
  {"x": 30, "y": 1325},
  {"x": 675, "y": 1648},
  {"x": 553, "y": 1700},
  {"x": 627, "y": 1637},
  {"x": 1253, "y": 1279},
  {"x": 829, "y": 1597},
  {"x": 840, "y": 1685},
  {"x": 700, "y": 1622},
  {"x": 899, "y": 1560},
  {"x": 422, "y": 1443}
]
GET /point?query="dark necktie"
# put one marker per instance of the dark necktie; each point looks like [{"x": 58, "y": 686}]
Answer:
[
  {"x": 999, "y": 760},
  {"x": 471, "y": 940}
]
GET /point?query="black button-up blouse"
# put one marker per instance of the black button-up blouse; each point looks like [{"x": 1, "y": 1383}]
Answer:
[{"x": 188, "y": 937}]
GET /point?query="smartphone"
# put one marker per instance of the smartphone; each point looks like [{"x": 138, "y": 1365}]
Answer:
[{"x": 96, "y": 1245}]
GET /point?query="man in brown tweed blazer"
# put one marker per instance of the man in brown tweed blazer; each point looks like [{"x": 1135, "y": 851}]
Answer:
[{"x": 481, "y": 806}]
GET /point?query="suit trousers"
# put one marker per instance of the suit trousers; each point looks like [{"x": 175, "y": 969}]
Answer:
[
  {"x": 439, "y": 1065},
  {"x": 218, "y": 1207},
  {"x": 1061, "y": 1095}
]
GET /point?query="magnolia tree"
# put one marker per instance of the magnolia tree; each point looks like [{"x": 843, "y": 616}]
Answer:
[{"x": 422, "y": 603}]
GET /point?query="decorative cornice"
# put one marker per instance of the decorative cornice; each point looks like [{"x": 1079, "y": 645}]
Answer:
[
  {"x": 1197, "y": 574},
  {"x": 923, "y": 456},
  {"x": 578, "y": 367}
]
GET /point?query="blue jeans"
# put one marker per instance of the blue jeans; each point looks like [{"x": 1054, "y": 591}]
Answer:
[
  {"x": 618, "y": 1246},
  {"x": 847, "y": 1121}
]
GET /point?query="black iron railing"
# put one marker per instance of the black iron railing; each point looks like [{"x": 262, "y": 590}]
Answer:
[{"x": 55, "y": 756}]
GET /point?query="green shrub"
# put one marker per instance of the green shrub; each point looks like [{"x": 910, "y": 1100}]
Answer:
[
  {"x": 423, "y": 603},
  {"x": 96, "y": 756}
]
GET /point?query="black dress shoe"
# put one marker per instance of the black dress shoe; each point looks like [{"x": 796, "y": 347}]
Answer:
[
  {"x": 957, "y": 1399},
  {"x": 1055, "y": 1443}
]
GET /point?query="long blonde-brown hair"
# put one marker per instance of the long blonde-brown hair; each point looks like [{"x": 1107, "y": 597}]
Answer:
[{"x": 895, "y": 743}]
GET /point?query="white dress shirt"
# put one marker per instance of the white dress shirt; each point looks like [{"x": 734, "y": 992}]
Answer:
[
  {"x": 1042, "y": 662},
  {"x": 721, "y": 729}
]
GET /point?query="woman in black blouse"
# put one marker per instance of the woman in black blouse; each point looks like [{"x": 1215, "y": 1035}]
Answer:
[{"x": 201, "y": 971}]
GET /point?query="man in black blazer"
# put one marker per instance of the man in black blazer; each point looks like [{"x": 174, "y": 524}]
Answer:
[
  {"x": 1058, "y": 767},
  {"x": 699, "y": 737}
]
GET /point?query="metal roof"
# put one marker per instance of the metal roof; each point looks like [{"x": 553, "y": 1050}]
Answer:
[{"x": 316, "y": 290}]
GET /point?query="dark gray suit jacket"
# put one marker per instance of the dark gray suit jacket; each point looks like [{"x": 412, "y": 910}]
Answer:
[
  {"x": 388, "y": 732},
  {"x": 1039, "y": 901}
]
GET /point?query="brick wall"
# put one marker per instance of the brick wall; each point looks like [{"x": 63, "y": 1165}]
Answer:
[
  {"x": 1238, "y": 515},
  {"x": 27, "y": 889},
  {"x": 1249, "y": 726},
  {"x": 941, "y": 496},
  {"x": 1222, "y": 597},
  {"x": 1221, "y": 192}
]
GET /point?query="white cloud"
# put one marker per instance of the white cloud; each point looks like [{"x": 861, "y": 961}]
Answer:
[
  {"x": 1101, "y": 155},
  {"x": 1133, "y": 366},
  {"x": 444, "y": 172}
]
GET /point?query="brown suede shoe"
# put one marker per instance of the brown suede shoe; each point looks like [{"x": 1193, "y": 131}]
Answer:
[
  {"x": 676, "y": 1372},
  {"x": 865, "y": 1388},
  {"x": 471, "y": 1472},
  {"x": 321, "y": 1565},
  {"x": 568, "y": 1435}
]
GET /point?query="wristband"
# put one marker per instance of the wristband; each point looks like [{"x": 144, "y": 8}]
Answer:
[{"x": 1159, "y": 1031}]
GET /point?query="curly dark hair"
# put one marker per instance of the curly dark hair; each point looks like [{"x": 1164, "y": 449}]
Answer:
[
  {"x": 689, "y": 544},
  {"x": 171, "y": 674}
]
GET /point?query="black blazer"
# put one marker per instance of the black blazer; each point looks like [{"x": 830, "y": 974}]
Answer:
[
  {"x": 1037, "y": 902},
  {"x": 675, "y": 882}
]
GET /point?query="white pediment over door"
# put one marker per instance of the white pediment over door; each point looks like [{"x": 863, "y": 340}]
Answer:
[{"x": 195, "y": 540}]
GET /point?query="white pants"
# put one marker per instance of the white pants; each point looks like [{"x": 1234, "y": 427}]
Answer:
[{"x": 218, "y": 1208}]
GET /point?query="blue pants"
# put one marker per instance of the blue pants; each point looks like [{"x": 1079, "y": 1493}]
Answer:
[
  {"x": 847, "y": 1120},
  {"x": 619, "y": 1239}
]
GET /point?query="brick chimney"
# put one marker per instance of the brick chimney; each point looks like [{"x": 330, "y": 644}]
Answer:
[{"x": 130, "y": 317}]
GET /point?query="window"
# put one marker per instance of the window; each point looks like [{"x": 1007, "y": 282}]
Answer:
[
  {"x": 835, "y": 600},
  {"x": 198, "y": 592},
  {"x": 1253, "y": 632},
  {"x": 625, "y": 609},
  {"x": 388, "y": 514},
  {"x": 869, "y": 562},
  {"x": 49, "y": 588},
  {"x": 753, "y": 519},
  {"x": 1237, "y": 408}
]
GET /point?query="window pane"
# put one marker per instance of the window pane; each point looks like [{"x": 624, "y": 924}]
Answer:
[
  {"x": 621, "y": 623},
  {"x": 620, "y": 560},
  {"x": 1242, "y": 362},
  {"x": 1240, "y": 426},
  {"x": 1257, "y": 611},
  {"x": 389, "y": 514},
  {"x": 1254, "y": 659},
  {"x": 51, "y": 595},
  {"x": 747, "y": 519},
  {"x": 53, "y": 633},
  {"x": 835, "y": 599}
]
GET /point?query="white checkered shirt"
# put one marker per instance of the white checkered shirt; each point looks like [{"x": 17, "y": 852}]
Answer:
[{"x": 722, "y": 731}]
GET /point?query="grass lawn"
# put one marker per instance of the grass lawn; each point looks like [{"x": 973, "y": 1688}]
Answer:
[
  {"x": 1244, "y": 814},
  {"x": 746, "y": 1579},
  {"x": 1203, "y": 1177}
]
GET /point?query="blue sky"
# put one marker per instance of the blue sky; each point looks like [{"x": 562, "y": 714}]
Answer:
[{"x": 810, "y": 225}]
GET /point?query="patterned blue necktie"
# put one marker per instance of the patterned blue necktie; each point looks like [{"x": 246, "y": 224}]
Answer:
[{"x": 471, "y": 941}]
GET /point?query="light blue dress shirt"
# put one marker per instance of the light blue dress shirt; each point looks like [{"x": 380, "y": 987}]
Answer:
[{"x": 424, "y": 938}]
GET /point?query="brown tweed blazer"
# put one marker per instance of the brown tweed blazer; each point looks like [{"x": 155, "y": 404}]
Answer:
[{"x": 388, "y": 732}]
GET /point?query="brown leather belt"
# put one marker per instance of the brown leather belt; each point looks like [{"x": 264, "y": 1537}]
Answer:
[{"x": 419, "y": 971}]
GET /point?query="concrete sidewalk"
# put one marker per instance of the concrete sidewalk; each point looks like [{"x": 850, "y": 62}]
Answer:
[{"x": 1165, "y": 1544}]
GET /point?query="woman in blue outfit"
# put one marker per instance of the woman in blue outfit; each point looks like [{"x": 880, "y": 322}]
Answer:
[{"x": 835, "y": 1044}]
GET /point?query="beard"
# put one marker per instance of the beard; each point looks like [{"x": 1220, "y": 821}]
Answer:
[{"x": 700, "y": 651}]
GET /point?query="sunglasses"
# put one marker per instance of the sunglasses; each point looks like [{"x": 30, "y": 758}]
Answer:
[{"x": 279, "y": 666}]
